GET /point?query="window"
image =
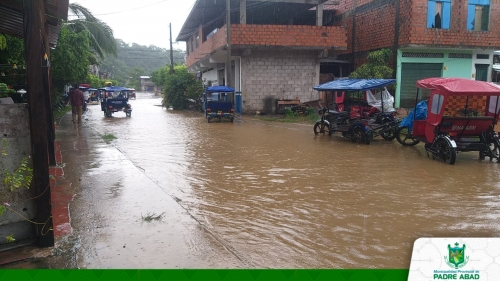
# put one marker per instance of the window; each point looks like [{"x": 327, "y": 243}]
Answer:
[
  {"x": 494, "y": 105},
  {"x": 197, "y": 41},
  {"x": 437, "y": 103},
  {"x": 439, "y": 14},
  {"x": 478, "y": 15}
]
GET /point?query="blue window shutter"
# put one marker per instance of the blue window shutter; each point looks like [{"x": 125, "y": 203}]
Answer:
[
  {"x": 431, "y": 12},
  {"x": 479, "y": 2},
  {"x": 471, "y": 13},
  {"x": 446, "y": 15}
]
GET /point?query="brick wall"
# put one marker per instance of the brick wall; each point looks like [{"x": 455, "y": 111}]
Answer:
[
  {"x": 457, "y": 35},
  {"x": 270, "y": 75},
  {"x": 289, "y": 36},
  {"x": 374, "y": 24},
  {"x": 375, "y": 28},
  {"x": 318, "y": 37}
]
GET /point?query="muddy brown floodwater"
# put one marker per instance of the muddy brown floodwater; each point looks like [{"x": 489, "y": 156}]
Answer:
[{"x": 280, "y": 197}]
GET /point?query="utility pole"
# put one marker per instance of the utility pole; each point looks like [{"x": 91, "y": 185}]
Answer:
[
  {"x": 229, "y": 81},
  {"x": 171, "y": 52}
]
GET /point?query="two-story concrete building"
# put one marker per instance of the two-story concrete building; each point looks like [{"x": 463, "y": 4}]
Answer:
[{"x": 277, "y": 48}]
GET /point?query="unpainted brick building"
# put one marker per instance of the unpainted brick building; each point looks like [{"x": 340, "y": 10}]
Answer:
[{"x": 428, "y": 38}]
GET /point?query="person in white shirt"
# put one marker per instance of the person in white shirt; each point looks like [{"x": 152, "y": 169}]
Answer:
[{"x": 86, "y": 95}]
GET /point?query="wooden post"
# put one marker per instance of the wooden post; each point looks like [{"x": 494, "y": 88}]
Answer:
[
  {"x": 34, "y": 42},
  {"x": 171, "y": 52},
  {"x": 51, "y": 130}
]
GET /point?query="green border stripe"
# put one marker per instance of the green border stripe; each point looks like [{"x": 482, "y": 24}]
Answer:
[{"x": 206, "y": 274}]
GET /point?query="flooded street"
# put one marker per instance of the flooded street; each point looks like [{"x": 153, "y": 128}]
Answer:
[{"x": 274, "y": 195}]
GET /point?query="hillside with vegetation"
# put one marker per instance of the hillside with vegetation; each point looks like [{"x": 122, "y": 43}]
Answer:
[{"x": 137, "y": 60}]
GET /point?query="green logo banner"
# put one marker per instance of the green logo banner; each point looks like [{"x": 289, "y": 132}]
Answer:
[{"x": 208, "y": 274}]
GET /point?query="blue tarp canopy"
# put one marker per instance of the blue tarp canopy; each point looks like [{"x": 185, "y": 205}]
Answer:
[
  {"x": 223, "y": 89},
  {"x": 354, "y": 84},
  {"x": 114, "y": 89},
  {"x": 418, "y": 113}
]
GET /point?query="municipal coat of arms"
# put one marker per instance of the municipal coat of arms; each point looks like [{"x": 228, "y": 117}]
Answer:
[{"x": 456, "y": 256}]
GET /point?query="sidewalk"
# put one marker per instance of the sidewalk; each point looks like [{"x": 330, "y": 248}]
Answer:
[{"x": 99, "y": 200}]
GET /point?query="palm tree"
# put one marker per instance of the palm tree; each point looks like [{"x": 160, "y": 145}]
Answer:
[{"x": 101, "y": 36}]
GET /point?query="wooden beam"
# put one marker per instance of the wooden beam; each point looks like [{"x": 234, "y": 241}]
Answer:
[
  {"x": 51, "y": 129},
  {"x": 35, "y": 42}
]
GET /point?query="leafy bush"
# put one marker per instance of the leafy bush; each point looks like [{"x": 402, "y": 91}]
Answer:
[
  {"x": 376, "y": 66},
  {"x": 290, "y": 113},
  {"x": 180, "y": 86},
  {"x": 5, "y": 91}
]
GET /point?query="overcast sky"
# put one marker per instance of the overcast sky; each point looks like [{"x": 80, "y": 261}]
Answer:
[{"x": 144, "y": 22}]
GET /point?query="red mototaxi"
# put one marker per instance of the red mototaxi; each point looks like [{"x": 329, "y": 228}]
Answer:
[{"x": 461, "y": 116}]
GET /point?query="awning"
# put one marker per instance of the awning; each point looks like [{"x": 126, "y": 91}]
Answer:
[
  {"x": 354, "y": 84},
  {"x": 223, "y": 89}
]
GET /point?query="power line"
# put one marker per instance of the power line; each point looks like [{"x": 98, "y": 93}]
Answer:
[{"x": 133, "y": 9}]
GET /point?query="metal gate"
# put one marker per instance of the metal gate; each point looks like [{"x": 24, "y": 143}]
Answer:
[{"x": 410, "y": 73}]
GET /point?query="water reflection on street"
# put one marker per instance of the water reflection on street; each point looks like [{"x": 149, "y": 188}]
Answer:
[{"x": 282, "y": 197}]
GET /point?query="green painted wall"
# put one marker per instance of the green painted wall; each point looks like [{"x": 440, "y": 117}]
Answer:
[{"x": 452, "y": 67}]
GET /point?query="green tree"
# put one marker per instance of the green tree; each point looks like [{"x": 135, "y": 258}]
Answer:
[
  {"x": 3, "y": 42},
  {"x": 94, "y": 81},
  {"x": 160, "y": 76},
  {"x": 376, "y": 66},
  {"x": 12, "y": 55},
  {"x": 99, "y": 33},
  {"x": 180, "y": 86},
  {"x": 70, "y": 62}
]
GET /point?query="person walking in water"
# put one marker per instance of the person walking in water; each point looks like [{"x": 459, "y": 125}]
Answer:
[{"x": 77, "y": 100}]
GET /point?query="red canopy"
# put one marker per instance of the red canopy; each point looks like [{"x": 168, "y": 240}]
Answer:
[{"x": 460, "y": 86}]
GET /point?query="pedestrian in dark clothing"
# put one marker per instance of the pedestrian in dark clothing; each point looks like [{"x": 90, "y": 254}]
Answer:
[{"x": 77, "y": 100}]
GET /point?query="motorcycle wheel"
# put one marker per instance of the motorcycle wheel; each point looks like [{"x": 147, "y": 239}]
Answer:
[
  {"x": 128, "y": 114},
  {"x": 493, "y": 152},
  {"x": 446, "y": 153},
  {"x": 322, "y": 129},
  {"x": 360, "y": 136},
  {"x": 403, "y": 136},
  {"x": 388, "y": 135}
]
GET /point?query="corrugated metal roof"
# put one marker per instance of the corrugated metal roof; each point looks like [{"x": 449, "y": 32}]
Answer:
[
  {"x": 11, "y": 22},
  {"x": 11, "y": 18}
]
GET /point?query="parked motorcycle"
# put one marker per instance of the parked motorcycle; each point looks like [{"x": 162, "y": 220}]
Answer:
[{"x": 329, "y": 121}]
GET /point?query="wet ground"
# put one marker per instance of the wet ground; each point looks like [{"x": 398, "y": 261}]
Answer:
[{"x": 259, "y": 194}]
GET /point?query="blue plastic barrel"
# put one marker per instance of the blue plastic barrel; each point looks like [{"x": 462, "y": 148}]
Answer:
[{"x": 239, "y": 102}]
